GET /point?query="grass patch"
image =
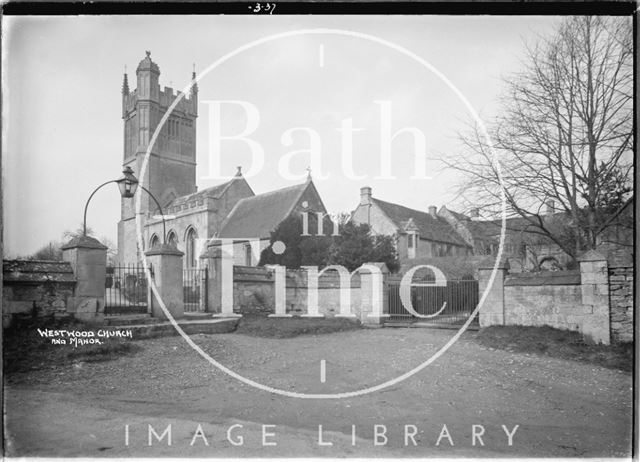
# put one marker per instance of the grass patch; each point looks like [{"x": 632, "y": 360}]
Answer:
[
  {"x": 257, "y": 325},
  {"x": 556, "y": 343},
  {"x": 24, "y": 349}
]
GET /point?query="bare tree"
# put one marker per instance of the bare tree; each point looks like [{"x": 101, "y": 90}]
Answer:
[
  {"x": 112, "y": 250},
  {"x": 69, "y": 234},
  {"x": 51, "y": 251},
  {"x": 564, "y": 134}
]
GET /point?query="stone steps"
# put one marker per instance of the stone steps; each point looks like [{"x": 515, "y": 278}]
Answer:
[
  {"x": 432, "y": 325},
  {"x": 197, "y": 315},
  {"x": 129, "y": 319},
  {"x": 146, "y": 326},
  {"x": 398, "y": 323}
]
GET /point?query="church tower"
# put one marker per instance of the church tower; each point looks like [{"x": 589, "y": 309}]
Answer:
[{"x": 171, "y": 169}]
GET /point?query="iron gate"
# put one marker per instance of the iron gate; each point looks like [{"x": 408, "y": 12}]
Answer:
[
  {"x": 460, "y": 296},
  {"x": 126, "y": 289},
  {"x": 195, "y": 289}
]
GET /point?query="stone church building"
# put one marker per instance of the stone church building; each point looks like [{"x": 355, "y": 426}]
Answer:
[{"x": 228, "y": 210}]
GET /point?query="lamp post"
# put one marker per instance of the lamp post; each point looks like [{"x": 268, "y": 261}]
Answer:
[{"x": 127, "y": 184}]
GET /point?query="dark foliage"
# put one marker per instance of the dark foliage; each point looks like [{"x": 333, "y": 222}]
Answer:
[{"x": 354, "y": 246}]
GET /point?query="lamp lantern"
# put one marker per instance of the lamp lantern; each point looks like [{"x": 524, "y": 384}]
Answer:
[{"x": 128, "y": 183}]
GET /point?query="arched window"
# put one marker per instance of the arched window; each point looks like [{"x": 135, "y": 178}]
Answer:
[
  {"x": 172, "y": 238},
  {"x": 190, "y": 243},
  {"x": 154, "y": 242}
]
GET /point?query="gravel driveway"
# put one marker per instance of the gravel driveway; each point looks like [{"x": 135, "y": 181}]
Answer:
[{"x": 562, "y": 408}]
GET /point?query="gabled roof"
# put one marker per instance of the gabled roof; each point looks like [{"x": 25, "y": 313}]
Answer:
[
  {"x": 214, "y": 192},
  {"x": 484, "y": 229},
  {"x": 456, "y": 215},
  {"x": 434, "y": 229},
  {"x": 491, "y": 229},
  {"x": 257, "y": 216}
]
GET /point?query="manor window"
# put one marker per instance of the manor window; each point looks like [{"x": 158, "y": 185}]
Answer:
[
  {"x": 412, "y": 245},
  {"x": 247, "y": 254}
]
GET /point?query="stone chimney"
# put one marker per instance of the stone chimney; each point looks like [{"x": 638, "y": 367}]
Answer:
[
  {"x": 365, "y": 195},
  {"x": 474, "y": 214},
  {"x": 551, "y": 207},
  {"x": 433, "y": 211}
]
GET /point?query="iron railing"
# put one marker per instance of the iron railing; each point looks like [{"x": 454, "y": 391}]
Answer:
[
  {"x": 195, "y": 289},
  {"x": 461, "y": 298},
  {"x": 126, "y": 289}
]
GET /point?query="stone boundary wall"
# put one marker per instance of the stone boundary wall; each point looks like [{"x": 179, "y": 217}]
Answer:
[
  {"x": 35, "y": 288},
  {"x": 553, "y": 278},
  {"x": 73, "y": 287},
  {"x": 621, "y": 303},
  {"x": 596, "y": 301},
  {"x": 544, "y": 299},
  {"x": 253, "y": 291}
]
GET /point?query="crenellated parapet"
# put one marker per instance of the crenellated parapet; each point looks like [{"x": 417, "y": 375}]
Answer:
[
  {"x": 193, "y": 201},
  {"x": 188, "y": 105}
]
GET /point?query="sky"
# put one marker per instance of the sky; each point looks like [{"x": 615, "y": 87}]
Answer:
[{"x": 63, "y": 133}]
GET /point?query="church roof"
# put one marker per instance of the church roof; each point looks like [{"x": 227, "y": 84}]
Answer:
[
  {"x": 214, "y": 192},
  {"x": 434, "y": 229},
  {"x": 257, "y": 216}
]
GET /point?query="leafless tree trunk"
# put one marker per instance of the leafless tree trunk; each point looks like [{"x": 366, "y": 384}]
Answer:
[{"x": 565, "y": 134}]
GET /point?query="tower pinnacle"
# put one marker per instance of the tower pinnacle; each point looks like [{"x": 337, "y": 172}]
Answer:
[
  {"x": 194, "y": 85},
  {"x": 125, "y": 83}
]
